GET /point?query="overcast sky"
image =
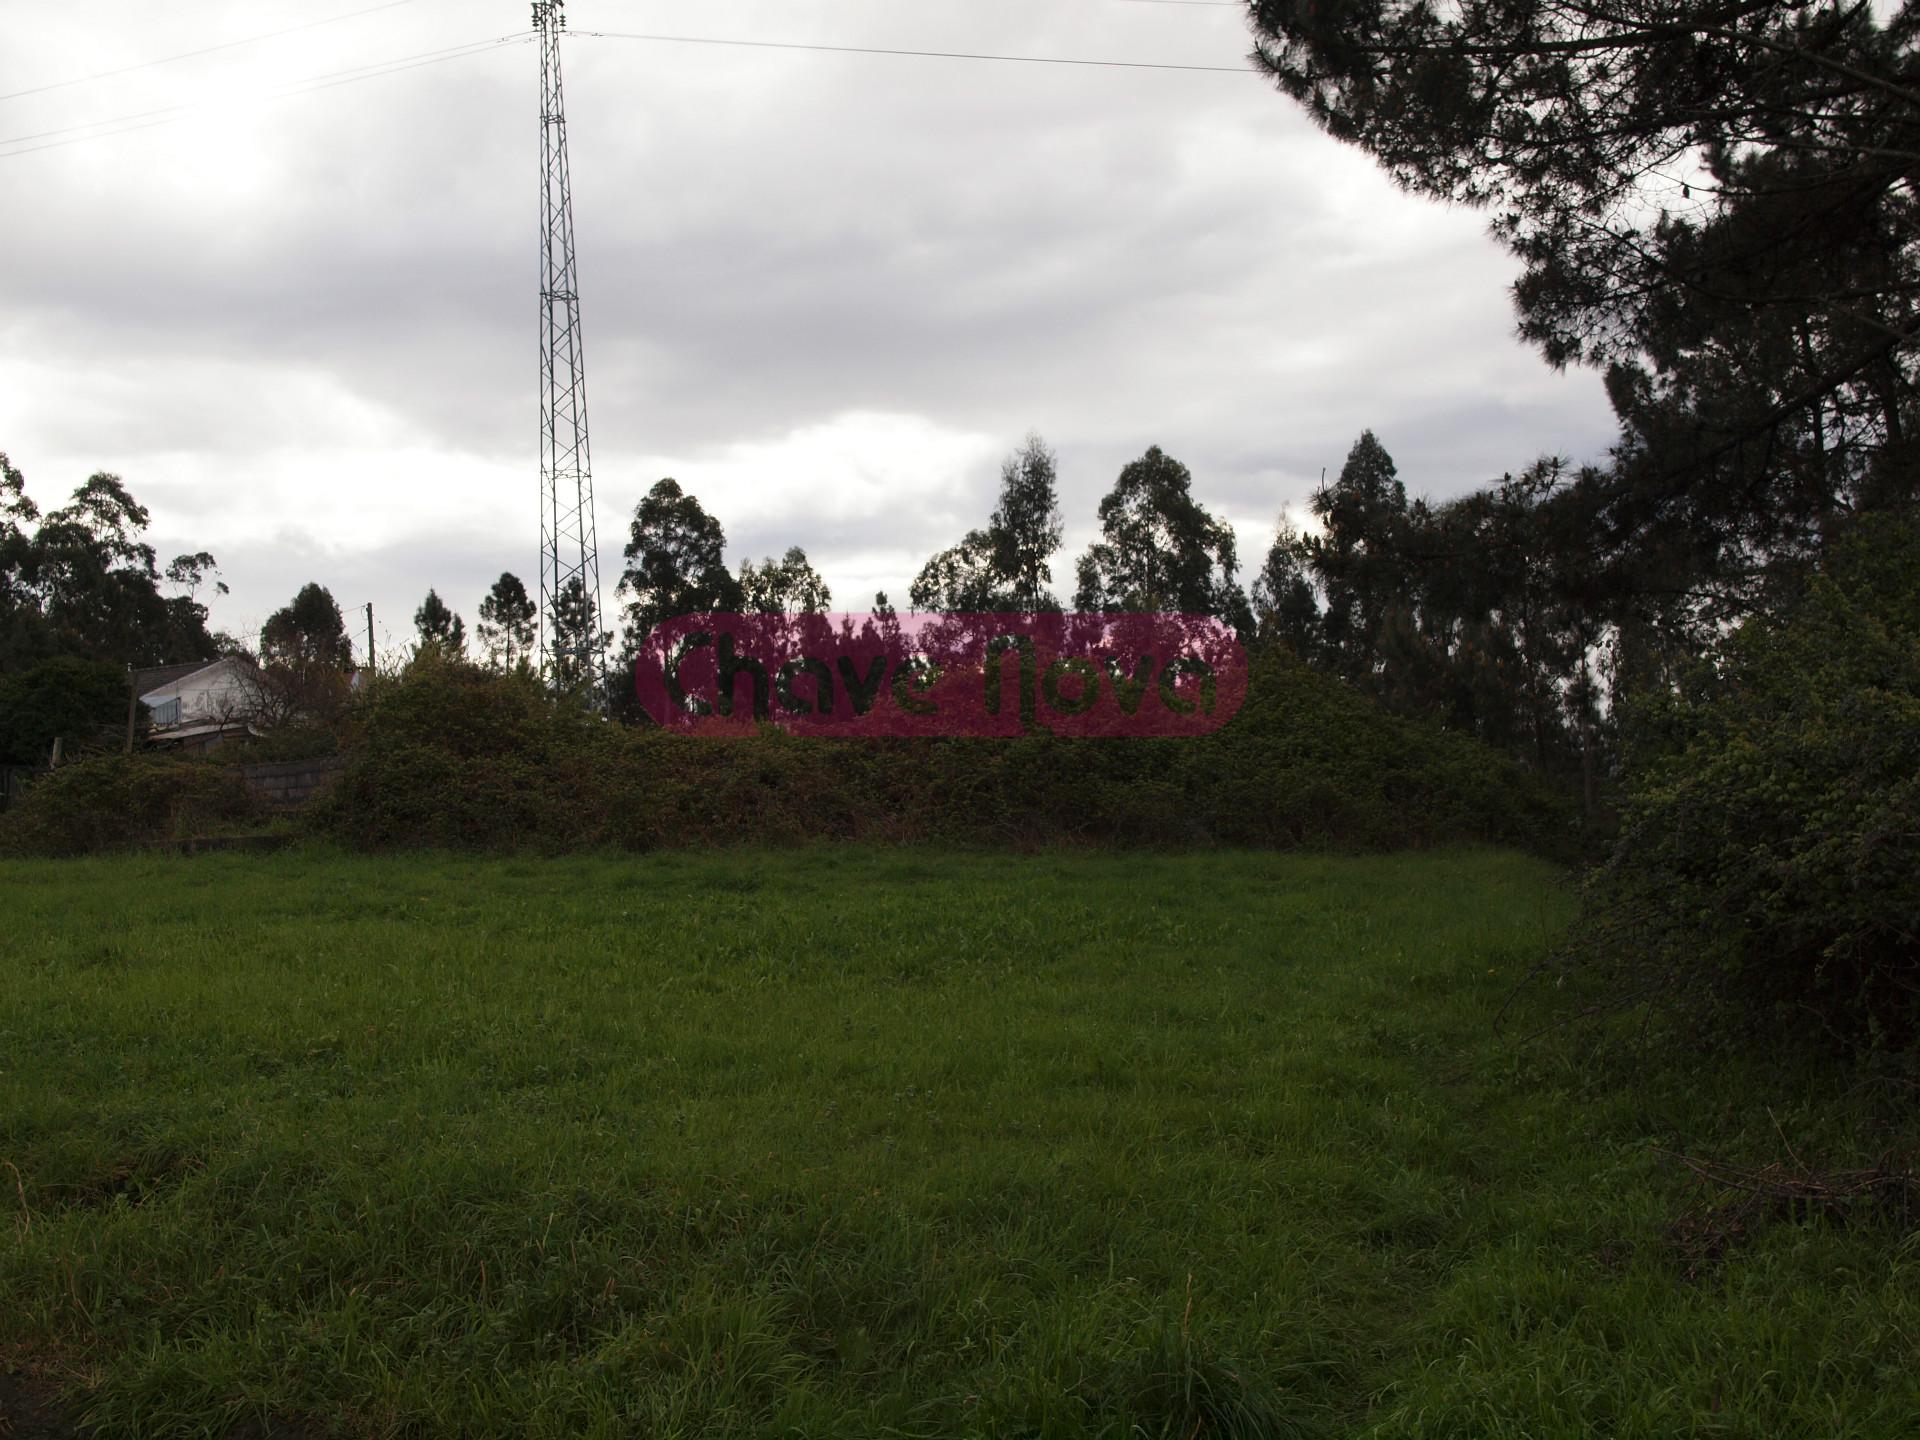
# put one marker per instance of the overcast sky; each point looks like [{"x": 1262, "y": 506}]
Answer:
[{"x": 827, "y": 292}]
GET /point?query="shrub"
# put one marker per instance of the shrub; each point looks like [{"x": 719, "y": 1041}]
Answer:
[
  {"x": 77, "y": 700},
  {"x": 116, "y": 800},
  {"x": 446, "y": 754},
  {"x": 450, "y": 755},
  {"x": 1767, "y": 860}
]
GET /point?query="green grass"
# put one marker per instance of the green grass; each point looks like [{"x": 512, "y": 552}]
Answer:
[{"x": 846, "y": 1142}]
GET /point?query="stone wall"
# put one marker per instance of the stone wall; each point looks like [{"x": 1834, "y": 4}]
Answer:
[{"x": 290, "y": 784}]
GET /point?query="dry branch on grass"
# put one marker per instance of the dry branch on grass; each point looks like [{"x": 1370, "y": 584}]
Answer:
[{"x": 1737, "y": 1199}]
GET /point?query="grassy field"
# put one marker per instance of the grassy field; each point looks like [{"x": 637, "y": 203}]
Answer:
[{"x": 843, "y": 1143}]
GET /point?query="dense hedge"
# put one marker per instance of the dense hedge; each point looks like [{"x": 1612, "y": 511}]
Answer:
[
  {"x": 116, "y": 800},
  {"x": 449, "y": 755},
  {"x": 1769, "y": 862}
]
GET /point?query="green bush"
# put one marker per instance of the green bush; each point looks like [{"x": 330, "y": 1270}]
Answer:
[
  {"x": 1768, "y": 857},
  {"x": 112, "y": 801},
  {"x": 77, "y": 700},
  {"x": 450, "y": 755}
]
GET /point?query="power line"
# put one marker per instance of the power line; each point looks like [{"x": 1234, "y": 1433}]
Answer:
[
  {"x": 325, "y": 81},
  {"x": 206, "y": 50},
  {"x": 94, "y": 124},
  {"x": 410, "y": 62},
  {"x": 171, "y": 114},
  {"x": 920, "y": 54}
]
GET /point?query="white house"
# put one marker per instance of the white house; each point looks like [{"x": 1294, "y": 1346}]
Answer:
[{"x": 197, "y": 705}]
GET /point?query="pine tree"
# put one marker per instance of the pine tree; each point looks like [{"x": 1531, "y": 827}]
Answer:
[
  {"x": 507, "y": 619},
  {"x": 438, "y": 627}
]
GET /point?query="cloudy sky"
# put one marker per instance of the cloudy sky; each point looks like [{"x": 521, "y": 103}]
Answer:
[{"x": 289, "y": 292}]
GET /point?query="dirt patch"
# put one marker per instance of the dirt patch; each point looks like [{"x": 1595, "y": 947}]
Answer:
[{"x": 31, "y": 1409}]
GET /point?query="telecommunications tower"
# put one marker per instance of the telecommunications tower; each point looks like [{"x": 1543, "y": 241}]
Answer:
[{"x": 570, "y": 634}]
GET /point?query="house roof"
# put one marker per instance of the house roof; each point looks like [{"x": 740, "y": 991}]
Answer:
[
  {"x": 173, "y": 734},
  {"x": 157, "y": 678},
  {"x": 145, "y": 682}
]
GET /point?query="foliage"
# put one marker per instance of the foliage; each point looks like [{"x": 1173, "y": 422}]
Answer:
[
  {"x": 507, "y": 620},
  {"x": 577, "y": 644},
  {"x": 1286, "y": 602},
  {"x": 963, "y": 579},
  {"x": 787, "y": 586},
  {"x": 309, "y": 631},
  {"x": 1359, "y": 555},
  {"x": 72, "y": 699},
  {"x": 676, "y": 563},
  {"x": 83, "y": 582},
  {"x": 438, "y": 626},
  {"x": 1486, "y": 613},
  {"x": 1766, "y": 865},
  {"x": 112, "y": 801},
  {"x": 1007, "y": 566},
  {"x": 304, "y": 659},
  {"x": 1715, "y": 202},
  {"x": 449, "y": 754},
  {"x": 1026, "y": 527},
  {"x": 1560, "y": 118},
  {"x": 848, "y": 1142},
  {"x": 1160, "y": 550}
]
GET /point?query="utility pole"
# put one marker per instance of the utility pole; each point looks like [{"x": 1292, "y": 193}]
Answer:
[
  {"x": 133, "y": 705},
  {"x": 370, "y": 637},
  {"x": 570, "y": 630}
]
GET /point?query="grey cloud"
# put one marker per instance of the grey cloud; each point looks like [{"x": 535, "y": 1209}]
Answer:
[{"x": 767, "y": 242}]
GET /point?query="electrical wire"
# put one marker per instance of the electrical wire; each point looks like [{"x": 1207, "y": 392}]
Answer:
[
  {"x": 13, "y": 145},
  {"x": 172, "y": 114},
  {"x": 206, "y": 50},
  {"x": 296, "y": 87},
  {"x": 919, "y": 54}
]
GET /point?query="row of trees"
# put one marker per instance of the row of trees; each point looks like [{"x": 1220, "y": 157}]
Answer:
[
  {"x": 81, "y": 582},
  {"x": 1469, "y": 611},
  {"x": 1160, "y": 550}
]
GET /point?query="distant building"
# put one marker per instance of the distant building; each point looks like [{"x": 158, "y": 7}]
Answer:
[{"x": 202, "y": 703}]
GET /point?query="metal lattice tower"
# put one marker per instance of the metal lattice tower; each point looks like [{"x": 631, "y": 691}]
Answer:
[{"x": 570, "y": 633}]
